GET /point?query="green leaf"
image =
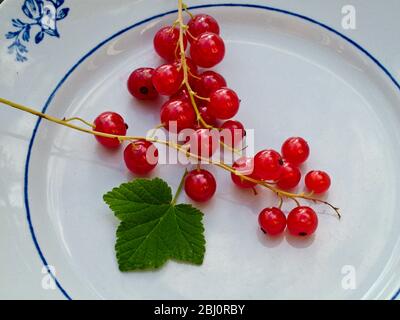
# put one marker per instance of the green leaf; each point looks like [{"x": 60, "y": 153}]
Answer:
[{"x": 152, "y": 229}]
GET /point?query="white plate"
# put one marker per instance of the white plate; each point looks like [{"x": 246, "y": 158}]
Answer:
[{"x": 295, "y": 76}]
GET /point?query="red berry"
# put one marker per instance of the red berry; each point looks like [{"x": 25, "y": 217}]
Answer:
[
  {"x": 182, "y": 94},
  {"x": 268, "y": 165},
  {"x": 209, "y": 82},
  {"x": 207, "y": 116},
  {"x": 224, "y": 103},
  {"x": 201, "y": 23},
  {"x": 180, "y": 112},
  {"x": 272, "y": 221},
  {"x": 207, "y": 50},
  {"x": 203, "y": 142},
  {"x": 290, "y": 176},
  {"x": 166, "y": 43},
  {"x": 318, "y": 181},
  {"x": 200, "y": 185},
  {"x": 234, "y": 131},
  {"x": 244, "y": 166},
  {"x": 140, "y": 84},
  {"x": 141, "y": 157},
  {"x": 302, "y": 221},
  {"x": 197, "y": 126},
  {"x": 111, "y": 123},
  {"x": 295, "y": 150},
  {"x": 167, "y": 79}
]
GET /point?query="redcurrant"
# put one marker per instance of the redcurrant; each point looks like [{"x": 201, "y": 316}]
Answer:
[
  {"x": 272, "y": 221},
  {"x": 268, "y": 165},
  {"x": 244, "y": 166},
  {"x": 208, "y": 82},
  {"x": 200, "y": 185},
  {"x": 302, "y": 221},
  {"x": 295, "y": 150},
  {"x": 140, "y": 84},
  {"x": 207, "y": 50},
  {"x": 111, "y": 123},
  {"x": 141, "y": 157},
  {"x": 166, "y": 43},
  {"x": 224, "y": 103},
  {"x": 290, "y": 176},
  {"x": 178, "y": 112},
  {"x": 167, "y": 79},
  {"x": 318, "y": 181},
  {"x": 182, "y": 94},
  {"x": 203, "y": 142},
  {"x": 232, "y": 132},
  {"x": 207, "y": 116},
  {"x": 201, "y": 23}
]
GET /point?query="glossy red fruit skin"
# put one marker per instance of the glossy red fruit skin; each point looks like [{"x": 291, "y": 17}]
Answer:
[
  {"x": 302, "y": 221},
  {"x": 140, "y": 84},
  {"x": 236, "y": 130},
  {"x": 207, "y": 50},
  {"x": 209, "y": 82},
  {"x": 290, "y": 176},
  {"x": 141, "y": 157},
  {"x": 268, "y": 165},
  {"x": 180, "y": 111},
  {"x": 224, "y": 103},
  {"x": 203, "y": 142},
  {"x": 317, "y": 181},
  {"x": 295, "y": 150},
  {"x": 200, "y": 185},
  {"x": 167, "y": 79},
  {"x": 112, "y": 123},
  {"x": 207, "y": 116},
  {"x": 166, "y": 43},
  {"x": 182, "y": 94},
  {"x": 245, "y": 166},
  {"x": 201, "y": 23},
  {"x": 272, "y": 221}
]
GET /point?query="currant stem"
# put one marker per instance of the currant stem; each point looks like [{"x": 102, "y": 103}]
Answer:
[
  {"x": 154, "y": 130},
  {"x": 185, "y": 7},
  {"x": 190, "y": 35},
  {"x": 182, "y": 27},
  {"x": 186, "y": 72},
  {"x": 280, "y": 201},
  {"x": 296, "y": 201},
  {"x": 91, "y": 125},
  {"x": 170, "y": 144},
  {"x": 200, "y": 97},
  {"x": 180, "y": 187}
]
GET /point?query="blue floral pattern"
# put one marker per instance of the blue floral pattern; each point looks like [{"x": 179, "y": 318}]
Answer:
[{"x": 43, "y": 15}]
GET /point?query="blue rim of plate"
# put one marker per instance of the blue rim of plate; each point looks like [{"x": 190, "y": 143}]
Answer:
[{"x": 244, "y": 5}]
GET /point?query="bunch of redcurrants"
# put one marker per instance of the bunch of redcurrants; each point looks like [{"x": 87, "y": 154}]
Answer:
[
  {"x": 199, "y": 100},
  {"x": 284, "y": 171},
  {"x": 213, "y": 100}
]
